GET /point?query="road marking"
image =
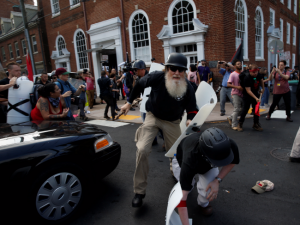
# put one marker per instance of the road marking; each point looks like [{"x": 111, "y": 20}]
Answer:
[
  {"x": 279, "y": 114},
  {"x": 107, "y": 123},
  {"x": 128, "y": 117}
]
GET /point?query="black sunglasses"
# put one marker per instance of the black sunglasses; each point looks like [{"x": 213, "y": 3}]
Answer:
[{"x": 175, "y": 68}]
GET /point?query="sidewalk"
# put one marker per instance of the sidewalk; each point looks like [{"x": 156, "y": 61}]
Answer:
[{"x": 97, "y": 113}]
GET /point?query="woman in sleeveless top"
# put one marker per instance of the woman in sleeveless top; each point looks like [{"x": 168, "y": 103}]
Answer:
[
  {"x": 193, "y": 74},
  {"x": 50, "y": 106}
]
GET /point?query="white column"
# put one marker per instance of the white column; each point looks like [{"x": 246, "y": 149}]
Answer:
[
  {"x": 167, "y": 52},
  {"x": 68, "y": 66},
  {"x": 119, "y": 51},
  {"x": 97, "y": 68},
  {"x": 200, "y": 50}
]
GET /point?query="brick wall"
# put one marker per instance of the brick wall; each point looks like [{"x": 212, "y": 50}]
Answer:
[{"x": 7, "y": 7}]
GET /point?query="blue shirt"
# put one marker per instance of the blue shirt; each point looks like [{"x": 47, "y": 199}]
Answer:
[
  {"x": 67, "y": 87},
  {"x": 226, "y": 75},
  {"x": 204, "y": 71},
  {"x": 82, "y": 94}
]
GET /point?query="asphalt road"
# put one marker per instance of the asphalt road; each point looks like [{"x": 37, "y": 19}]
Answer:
[{"x": 237, "y": 205}]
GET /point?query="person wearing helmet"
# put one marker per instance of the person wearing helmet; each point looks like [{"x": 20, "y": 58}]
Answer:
[
  {"x": 139, "y": 67},
  {"x": 199, "y": 156},
  {"x": 171, "y": 94}
]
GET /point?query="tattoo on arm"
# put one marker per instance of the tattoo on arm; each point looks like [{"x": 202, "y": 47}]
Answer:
[
  {"x": 43, "y": 105},
  {"x": 52, "y": 117}
]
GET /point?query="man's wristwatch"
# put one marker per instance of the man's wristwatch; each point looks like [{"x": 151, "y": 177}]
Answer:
[{"x": 219, "y": 179}]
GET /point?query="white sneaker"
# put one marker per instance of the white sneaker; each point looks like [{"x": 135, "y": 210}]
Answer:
[{"x": 267, "y": 105}]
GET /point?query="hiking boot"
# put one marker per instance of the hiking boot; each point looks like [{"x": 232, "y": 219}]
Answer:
[
  {"x": 257, "y": 127},
  {"x": 229, "y": 121},
  {"x": 222, "y": 114},
  {"x": 137, "y": 200},
  {"x": 289, "y": 119},
  {"x": 240, "y": 127},
  {"x": 206, "y": 211}
]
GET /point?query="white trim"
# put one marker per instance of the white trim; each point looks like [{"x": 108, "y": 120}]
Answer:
[
  {"x": 246, "y": 28},
  {"x": 262, "y": 33},
  {"x": 33, "y": 36},
  {"x": 273, "y": 11},
  {"x": 75, "y": 46},
  {"x": 294, "y": 35},
  {"x": 288, "y": 33},
  {"x": 281, "y": 29},
  {"x": 56, "y": 42},
  {"x": 130, "y": 34},
  {"x": 282, "y": 1},
  {"x": 293, "y": 60},
  {"x": 74, "y": 6},
  {"x": 295, "y": 7},
  {"x": 289, "y": 4},
  {"x": 170, "y": 11}
]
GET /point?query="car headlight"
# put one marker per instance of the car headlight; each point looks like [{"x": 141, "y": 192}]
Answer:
[{"x": 103, "y": 143}]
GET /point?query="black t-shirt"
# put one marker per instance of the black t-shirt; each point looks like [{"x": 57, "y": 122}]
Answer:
[
  {"x": 247, "y": 80},
  {"x": 160, "y": 102},
  {"x": 4, "y": 94},
  {"x": 40, "y": 82},
  {"x": 191, "y": 161}
]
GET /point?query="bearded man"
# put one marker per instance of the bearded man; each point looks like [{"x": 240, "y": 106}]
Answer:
[{"x": 171, "y": 94}]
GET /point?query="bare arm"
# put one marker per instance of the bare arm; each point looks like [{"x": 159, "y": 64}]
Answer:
[
  {"x": 286, "y": 77},
  {"x": 229, "y": 84},
  {"x": 12, "y": 82},
  {"x": 198, "y": 77},
  {"x": 248, "y": 89},
  {"x": 43, "y": 106},
  {"x": 79, "y": 90},
  {"x": 183, "y": 212}
]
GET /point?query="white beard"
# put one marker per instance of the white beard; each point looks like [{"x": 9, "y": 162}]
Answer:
[{"x": 175, "y": 88}]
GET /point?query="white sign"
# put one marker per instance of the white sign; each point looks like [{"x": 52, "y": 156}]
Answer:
[{"x": 104, "y": 57}]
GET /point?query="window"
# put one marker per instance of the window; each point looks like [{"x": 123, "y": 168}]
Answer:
[
  {"x": 11, "y": 54},
  {"x": 80, "y": 47},
  {"x": 34, "y": 44},
  {"x": 295, "y": 7},
  {"x": 12, "y": 23},
  {"x": 140, "y": 37},
  {"x": 259, "y": 27},
  {"x": 186, "y": 48},
  {"x": 289, "y": 4},
  {"x": 17, "y": 49},
  {"x": 241, "y": 25},
  {"x": 74, "y": 2},
  {"x": 24, "y": 47},
  {"x": 288, "y": 30},
  {"x": 60, "y": 45},
  {"x": 182, "y": 17},
  {"x": 293, "y": 60},
  {"x": 287, "y": 62},
  {"x": 3, "y": 54},
  {"x": 272, "y": 17},
  {"x": 282, "y": 1},
  {"x": 294, "y": 35},
  {"x": 281, "y": 29},
  {"x": 64, "y": 65},
  {"x": 55, "y": 6}
]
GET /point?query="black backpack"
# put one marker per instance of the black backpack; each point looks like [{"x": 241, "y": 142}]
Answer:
[{"x": 34, "y": 96}]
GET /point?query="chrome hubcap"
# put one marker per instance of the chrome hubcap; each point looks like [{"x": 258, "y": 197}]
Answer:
[{"x": 58, "y": 196}]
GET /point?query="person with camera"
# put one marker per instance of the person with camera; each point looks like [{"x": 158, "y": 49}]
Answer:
[
  {"x": 225, "y": 91},
  {"x": 171, "y": 94},
  {"x": 250, "y": 81},
  {"x": 199, "y": 156},
  {"x": 50, "y": 105},
  {"x": 281, "y": 89},
  {"x": 204, "y": 71},
  {"x": 67, "y": 89}
]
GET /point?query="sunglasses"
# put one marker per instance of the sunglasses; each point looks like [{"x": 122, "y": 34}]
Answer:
[{"x": 175, "y": 68}]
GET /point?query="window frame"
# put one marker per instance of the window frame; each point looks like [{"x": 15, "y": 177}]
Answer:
[
  {"x": 281, "y": 29},
  {"x": 294, "y": 35},
  {"x": 293, "y": 60},
  {"x": 57, "y": 44},
  {"x": 3, "y": 28},
  {"x": 288, "y": 33},
  {"x": 76, "y": 52},
  {"x": 24, "y": 41},
  {"x": 3, "y": 54},
  {"x": 132, "y": 48},
  {"x": 33, "y": 36},
  {"x": 13, "y": 23},
  {"x": 289, "y": 4},
  {"x": 273, "y": 11},
  {"x": 295, "y": 7},
  {"x": 258, "y": 8},
  {"x": 182, "y": 23},
  {"x": 282, "y": 1},
  {"x": 10, "y": 50},
  {"x": 54, "y": 14},
  {"x": 246, "y": 28},
  {"x": 17, "y": 49}
]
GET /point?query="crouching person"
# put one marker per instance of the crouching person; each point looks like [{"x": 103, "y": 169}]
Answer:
[{"x": 199, "y": 156}]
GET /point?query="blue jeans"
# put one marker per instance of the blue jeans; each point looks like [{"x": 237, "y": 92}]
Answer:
[
  {"x": 265, "y": 97},
  {"x": 225, "y": 92}
]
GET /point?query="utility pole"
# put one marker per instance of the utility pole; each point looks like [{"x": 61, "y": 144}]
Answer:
[{"x": 24, "y": 15}]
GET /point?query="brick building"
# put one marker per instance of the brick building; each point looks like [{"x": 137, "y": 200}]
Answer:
[
  {"x": 13, "y": 45},
  {"x": 145, "y": 29}
]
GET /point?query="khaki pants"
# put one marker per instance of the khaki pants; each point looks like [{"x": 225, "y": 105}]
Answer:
[
  {"x": 90, "y": 95},
  {"x": 144, "y": 137}
]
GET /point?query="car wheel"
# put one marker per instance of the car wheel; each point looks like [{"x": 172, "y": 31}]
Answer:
[{"x": 58, "y": 193}]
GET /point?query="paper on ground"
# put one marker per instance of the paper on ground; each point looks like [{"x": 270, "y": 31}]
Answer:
[
  {"x": 207, "y": 100},
  {"x": 172, "y": 218}
]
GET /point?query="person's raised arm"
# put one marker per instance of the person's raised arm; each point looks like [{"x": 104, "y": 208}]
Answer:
[
  {"x": 43, "y": 106},
  {"x": 284, "y": 76},
  {"x": 12, "y": 82}
]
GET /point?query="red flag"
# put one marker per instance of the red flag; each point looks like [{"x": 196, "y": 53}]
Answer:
[
  {"x": 257, "y": 109},
  {"x": 29, "y": 67}
]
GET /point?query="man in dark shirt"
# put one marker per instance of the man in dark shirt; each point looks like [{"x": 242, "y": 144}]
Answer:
[
  {"x": 105, "y": 94},
  {"x": 204, "y": 71},
  {"x": 250, "y": 81},
  {"x": 43, "y": 80},
  {"x": 199, "y": 156},
  {"x": 171, "y": 94}
]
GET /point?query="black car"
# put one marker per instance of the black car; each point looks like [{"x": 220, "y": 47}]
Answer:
[{"x": 48, "y": 168}]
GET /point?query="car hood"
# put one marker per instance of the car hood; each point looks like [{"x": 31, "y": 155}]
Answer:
[{"x": 30, "y": 131}]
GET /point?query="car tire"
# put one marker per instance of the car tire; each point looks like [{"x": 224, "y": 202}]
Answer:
[{"x": 57, "y": 194}]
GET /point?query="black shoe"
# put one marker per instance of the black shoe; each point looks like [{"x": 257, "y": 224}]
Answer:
[
  {"x": 107, "y": 117},
  {"x": 117, "y": 109},
  {"x": 132, "y": 109},
  {"x": 289, "y": 119},
  {"x": 292, "y": 159},
  {"x": 123, "y": 98},
  {"x": 137, "y": 200},
  {"x": 154, "y": 142}
]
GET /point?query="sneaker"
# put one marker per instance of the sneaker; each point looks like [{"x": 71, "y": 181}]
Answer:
[
  {"x": 222, "y": 114},
  {"x": 267, "y": 105},
  {"x": 256, "y": 126},
  {"x": 137, "y": 200},
  {"x": 206, "y": 211},
  {"x": 229, "y": 121}
]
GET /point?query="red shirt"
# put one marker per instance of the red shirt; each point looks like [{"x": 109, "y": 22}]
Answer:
[
  {"x": 281, "y": 85},
  {"x": 36, "y": 113}
]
